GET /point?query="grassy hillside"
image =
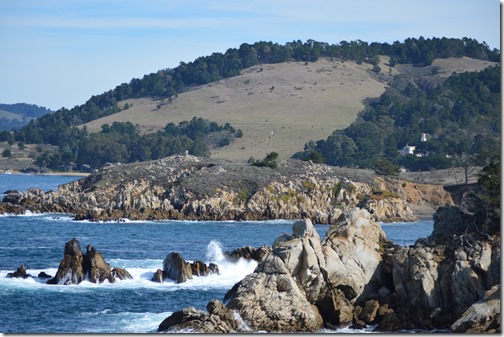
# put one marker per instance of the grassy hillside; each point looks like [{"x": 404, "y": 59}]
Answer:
[{"x": 281, "y": 106}]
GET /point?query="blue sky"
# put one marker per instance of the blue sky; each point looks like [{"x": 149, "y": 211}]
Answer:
[{"x": 58, "y": 53}]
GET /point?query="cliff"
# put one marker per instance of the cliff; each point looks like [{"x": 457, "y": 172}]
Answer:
[{"x": 194, "y": 188}]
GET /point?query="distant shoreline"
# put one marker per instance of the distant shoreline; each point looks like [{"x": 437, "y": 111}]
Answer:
[{"x": 77, "y": 174}]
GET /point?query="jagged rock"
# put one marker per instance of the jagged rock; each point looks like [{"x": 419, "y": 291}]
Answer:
[
  {"x": 76, "y": 267},
  {"x": 483, "y": 316},
  {"x": 43, "y": 274},
  {"x": 176, "y": 268},
  {"x": 216, "y": 190},
  {"x": 249, "y": 253},
  {"x": 19, "y": 273},
  {"x": 199, "y": 268},
  {"x": 121, "y": 274},
  {"x": 213, "y": 268},
  {"x": 352, "y": 251},
  {"x": 369, "y": 311},
  {"x": 274, "y": 303},
  {"x": 440, "y": 277},
  {"x": 95, "y": 267},
  {"x": 158, "y": 276},
  {"x": 70, "y": 270}
]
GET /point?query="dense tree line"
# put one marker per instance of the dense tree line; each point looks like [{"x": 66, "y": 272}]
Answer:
[
  {"x": 460, "y": 118},
  {"x": 167, "y": 83},
  {"x": 122, "y": 142},
  {"x": 59, "y": 128}
]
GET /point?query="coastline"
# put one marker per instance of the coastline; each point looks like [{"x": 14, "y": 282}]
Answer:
[{"x": 71, "y": 174}]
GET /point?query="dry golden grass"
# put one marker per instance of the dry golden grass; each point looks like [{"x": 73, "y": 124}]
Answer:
[{"x": 279, "y": 107}]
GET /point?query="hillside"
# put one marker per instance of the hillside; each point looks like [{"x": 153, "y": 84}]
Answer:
[
  {"x": 280, "y": 107},
  {"x": 19, "y": 114},
  {"x": 280, "y": 98}
]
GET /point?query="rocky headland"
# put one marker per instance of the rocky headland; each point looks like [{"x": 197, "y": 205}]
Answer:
[
  {"x": 449, "y": 281},
  {"x": 195, "y": 188}
]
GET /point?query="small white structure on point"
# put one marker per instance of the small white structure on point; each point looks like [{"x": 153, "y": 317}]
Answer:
[
  {"x": 408, "y": 150},
  {"x": 423, "y": 138}
]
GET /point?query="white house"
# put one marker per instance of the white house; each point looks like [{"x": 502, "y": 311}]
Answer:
[{"x": 408, "y": 150}]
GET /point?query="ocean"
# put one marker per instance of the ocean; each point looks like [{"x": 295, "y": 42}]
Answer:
[{"x": 129, "y": 306}]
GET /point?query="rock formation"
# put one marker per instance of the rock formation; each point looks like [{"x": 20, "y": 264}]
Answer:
[
  {"x": 95, "y": 267},
  {"x": 70, "y": 270},
  {"x": 19, "y": 273},
  {"x": 483, "y": 316},
  {"x": 296, "y": 286},
  {"x": 179, "y": 270},
  {"x": 76, "y": 267},
  {"x": 191, "y": 188},
  {"x": 354, "y": 276},
  {"x": 176, "y": 268}
]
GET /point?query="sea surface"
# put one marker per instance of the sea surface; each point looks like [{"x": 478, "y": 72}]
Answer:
[{"x": 129, "y": 306}]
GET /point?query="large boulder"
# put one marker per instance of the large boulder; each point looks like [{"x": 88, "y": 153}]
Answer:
[
  {"x": 218, "y": 319},
  {"x": 280, "y": 295},
  {"x": 483, "y": 316},
  {"x": 95, "y": 267},
  {"x": 274, "y": 303},
  {"x": 70, "y": 270},
  {"x": 353, "y": 250},
  {"x": 176, "y": 268}
]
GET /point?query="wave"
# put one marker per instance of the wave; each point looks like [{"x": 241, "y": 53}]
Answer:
[{"x": 142, "y": 272}]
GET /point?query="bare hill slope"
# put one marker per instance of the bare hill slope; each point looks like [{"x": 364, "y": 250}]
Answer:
[{"x": 279, "y": 107}]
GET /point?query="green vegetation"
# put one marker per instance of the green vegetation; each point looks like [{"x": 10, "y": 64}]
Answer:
[
  {"x": 359, "y": 145},
  {"x": 121, "y": 142},
  {"x": 24, "y": 112},
  {"x": 460, "y": 118},
  {"x": 7, "y": 153},
  {"x": 271, "y": 161},
  {"x": 244, "y": 194},
  {"x": 490, "y": 180}
]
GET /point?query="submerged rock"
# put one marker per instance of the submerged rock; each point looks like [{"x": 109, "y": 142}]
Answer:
[
  {"x": 19, "y": 273},
  {"x": 121, "y": 274}
]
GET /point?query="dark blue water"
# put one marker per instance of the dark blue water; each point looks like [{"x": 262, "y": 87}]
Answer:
[{"x": 138, "y": 305}]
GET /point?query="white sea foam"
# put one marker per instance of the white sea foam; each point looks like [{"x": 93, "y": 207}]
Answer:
[{"x": 142, "y": 272}]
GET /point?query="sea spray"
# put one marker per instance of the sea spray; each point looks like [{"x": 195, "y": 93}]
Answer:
[{"x": 214, "y": 252}]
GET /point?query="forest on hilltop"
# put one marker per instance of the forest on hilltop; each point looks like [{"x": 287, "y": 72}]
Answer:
[
  {"x": 460, "y": 119},
  {"x": 60, "y": 128},
  {"x": 25, "y": 112}
]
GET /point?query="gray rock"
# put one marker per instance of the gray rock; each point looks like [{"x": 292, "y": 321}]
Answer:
[{"x": 483, "y": 316}]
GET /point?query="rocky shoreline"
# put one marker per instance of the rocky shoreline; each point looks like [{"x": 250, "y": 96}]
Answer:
[
  {"x": 194, "y": 188},
  {"x": 354, "y": 277}
]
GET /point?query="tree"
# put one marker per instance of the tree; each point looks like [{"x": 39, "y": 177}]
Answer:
[
  {"x": 269, "y": 161},
  {"x": 386, "y": 168},
  {"x": 7, "y": 153},
  {"x": 490, "y": 179},
  {"x": 468, "y": 165}
]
